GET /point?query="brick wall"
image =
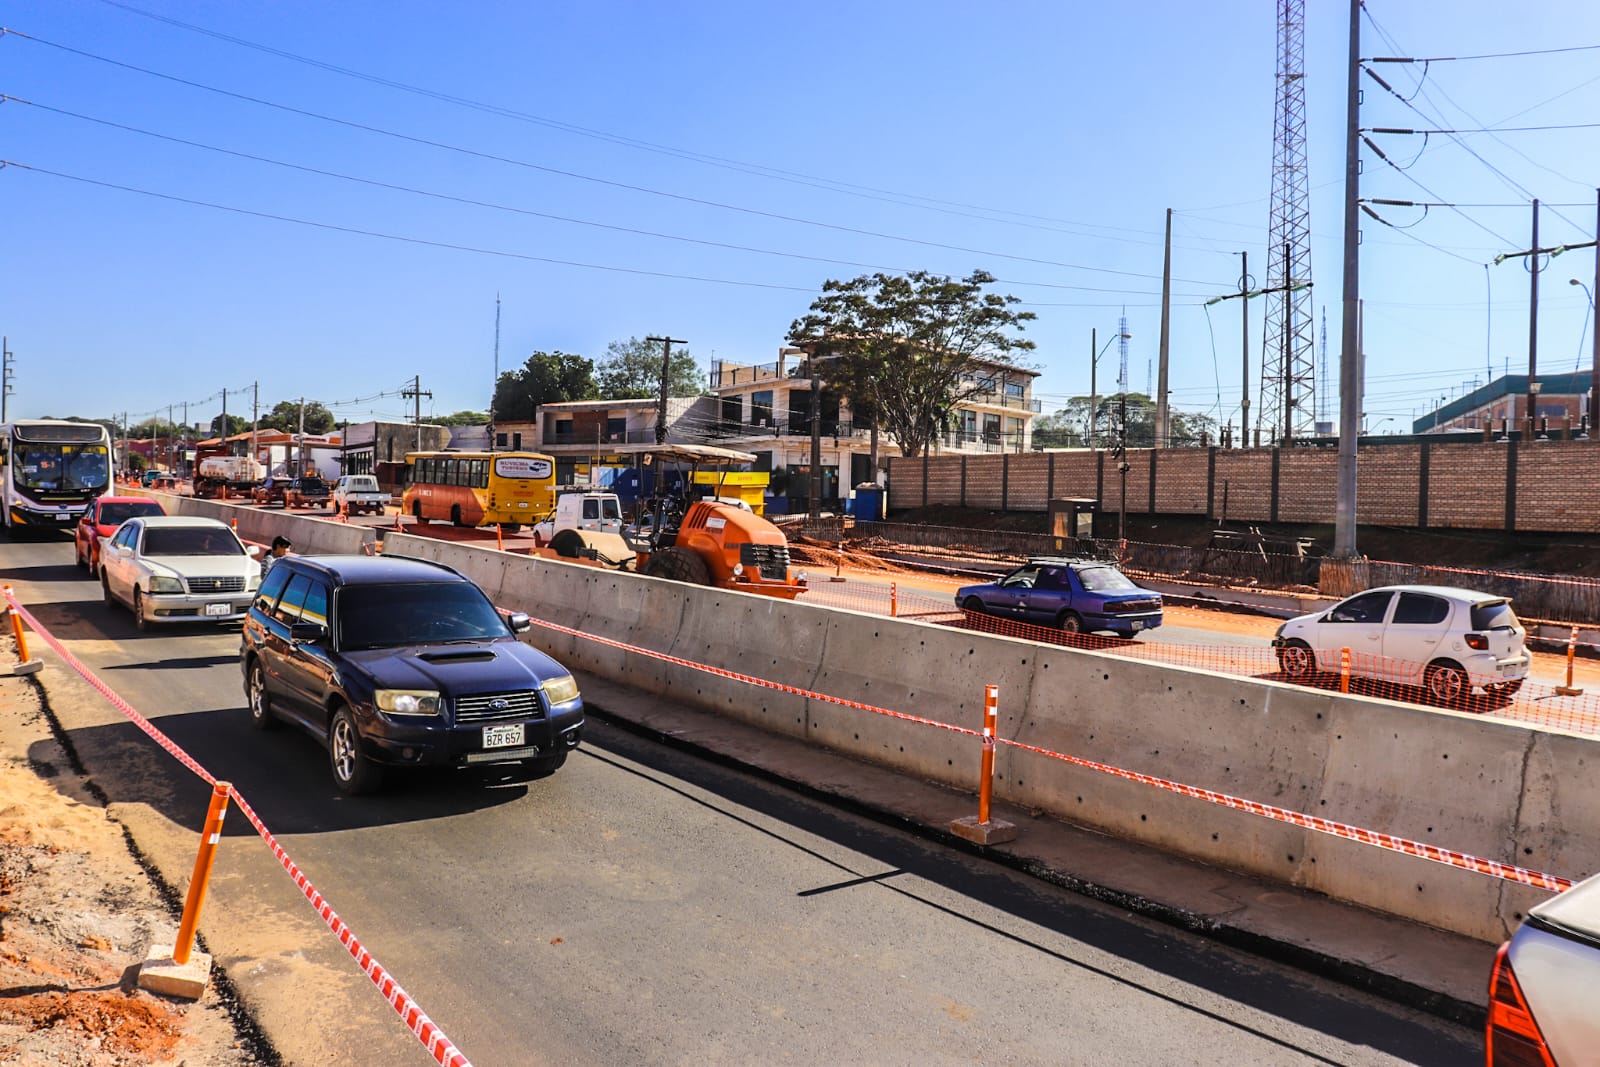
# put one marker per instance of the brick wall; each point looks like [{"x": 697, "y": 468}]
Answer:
[{"x": 1556, "y": 484}]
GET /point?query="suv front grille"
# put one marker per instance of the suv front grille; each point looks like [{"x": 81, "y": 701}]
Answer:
[
  {"x": 771, "y": 561},
  {"x": 492, "y": 707},
  {"x": 216, "y": 585}
]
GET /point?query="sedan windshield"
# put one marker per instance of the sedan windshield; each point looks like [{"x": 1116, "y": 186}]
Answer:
[
  {"x": 1104, "y": 580},
  {"x": 191, "y": 541},
  {"x": 381, "y": 616}
]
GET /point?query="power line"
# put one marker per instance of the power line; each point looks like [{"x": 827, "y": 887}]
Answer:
[
  {"x": 559, "y": 172},
  {"x": 1487, "y": 55}
]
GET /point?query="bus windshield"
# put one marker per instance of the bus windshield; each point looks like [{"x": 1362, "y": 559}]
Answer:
[{"x": 61, "y": 467}]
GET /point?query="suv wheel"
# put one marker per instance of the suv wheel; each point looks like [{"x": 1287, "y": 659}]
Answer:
[
  {"x": 353, "y": 773},
  {"x": 255, "y": 690},
  {"x": 545, "y": 766}
]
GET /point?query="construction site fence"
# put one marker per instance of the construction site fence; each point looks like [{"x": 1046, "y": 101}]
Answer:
[{"x": 1544, "y": 597}]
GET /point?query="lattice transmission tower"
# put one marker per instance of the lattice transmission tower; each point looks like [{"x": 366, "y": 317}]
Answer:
[{"x": 1288, "y": 355}]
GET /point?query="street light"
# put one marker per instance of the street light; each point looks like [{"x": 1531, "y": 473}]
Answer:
[
  {"x": 1094, "y": 363},
  {"x": 1579, "y": 357}
]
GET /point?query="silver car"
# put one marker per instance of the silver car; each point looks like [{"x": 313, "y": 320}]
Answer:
[
  {"x": 177, "y": 568},
  {"x": 1541, "y": 994},
  {"x": 1446, "y": 640}
]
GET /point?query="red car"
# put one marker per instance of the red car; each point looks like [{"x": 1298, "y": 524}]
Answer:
[{"x": 102, "y": 520}]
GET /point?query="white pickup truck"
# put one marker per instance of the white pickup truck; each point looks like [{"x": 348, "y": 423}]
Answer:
[
  {"x": 577, "y": 510},
  {"x": 356, "y": 493}
]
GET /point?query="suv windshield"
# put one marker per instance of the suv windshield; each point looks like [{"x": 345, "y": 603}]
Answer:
[
  {"x": 1495, "y": 616},
  {"x": 1104, "y": 579},
  {"x": 381, "y": 616},
  {"x": 191, "y": 541}
]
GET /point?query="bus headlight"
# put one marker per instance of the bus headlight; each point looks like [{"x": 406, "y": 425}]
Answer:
[{"x": 407, "y": 701}]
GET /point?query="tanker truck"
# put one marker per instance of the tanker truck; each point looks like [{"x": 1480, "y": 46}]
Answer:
[{"x": 219, "y": 474}]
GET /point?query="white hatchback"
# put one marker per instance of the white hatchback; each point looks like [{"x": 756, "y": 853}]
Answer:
[{"x": 1449, "y": 641}]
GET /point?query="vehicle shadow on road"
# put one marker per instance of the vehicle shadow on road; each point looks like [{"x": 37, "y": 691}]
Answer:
[{"x": 283, "y": 774}]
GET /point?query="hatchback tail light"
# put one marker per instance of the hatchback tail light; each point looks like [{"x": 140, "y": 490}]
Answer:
[
  {"x": 1478, "y": 641},
  {"x": 1511, "y": 1036}
]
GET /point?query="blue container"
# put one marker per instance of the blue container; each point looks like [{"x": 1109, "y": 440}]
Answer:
[{"x": 869, "y": 503}]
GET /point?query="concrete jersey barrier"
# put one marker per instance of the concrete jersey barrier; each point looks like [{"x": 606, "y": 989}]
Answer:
[
  {"x": 311, "y": 536},
  {"x": 1489, "y": 787}
]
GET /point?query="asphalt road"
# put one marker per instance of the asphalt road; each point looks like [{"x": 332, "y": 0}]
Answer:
[{"x": 642, "y": 906}]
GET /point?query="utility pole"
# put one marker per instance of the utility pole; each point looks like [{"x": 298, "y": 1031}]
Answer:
[
  {"x": 1533, "y": 327},
  {"x": 255, "y": 418},
  {"x": 1344, "y": 532},
  {"x": 1594, "y": 352},
  {"x": 224, "y": 434},
  {"x": 495, "y": 388},
  {"x": 1094, "y": 363},
  {"x": 5, "y": 375},
  {"x": 1533, "y": 254},
  {"x": 814, "y": 507},
  {"x": 1243, "y": 296},
  {"x": 185, "y": 440},
  {"x": 172, "y": 463},
  {"x": 1122, "y": 470},
  {"x": 661, "y": 400},
  {"x": 1163, "y": 433},
  {"x": 414, "y": 392},
  {"x": 300, "y": 442}
]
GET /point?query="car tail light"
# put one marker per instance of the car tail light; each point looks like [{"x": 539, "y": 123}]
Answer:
[
  {"x": 1478, "y": 641},
  {"x": 1511, "y": 1036}
]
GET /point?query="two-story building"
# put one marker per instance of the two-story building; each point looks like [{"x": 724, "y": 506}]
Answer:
[{"x": 766, "y": 409}]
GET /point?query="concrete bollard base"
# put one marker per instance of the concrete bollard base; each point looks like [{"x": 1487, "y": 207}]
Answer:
[
  {"x": 160, "y": 973},
  {"x": 993, "y": 832},
  {"x": 30, "y": 667}
]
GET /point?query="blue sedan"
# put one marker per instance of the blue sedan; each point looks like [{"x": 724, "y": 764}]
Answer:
[{"x": 1078, "y": 596}]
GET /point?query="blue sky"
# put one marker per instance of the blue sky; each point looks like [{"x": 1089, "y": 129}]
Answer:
[{"x": 1040, "y": 141}]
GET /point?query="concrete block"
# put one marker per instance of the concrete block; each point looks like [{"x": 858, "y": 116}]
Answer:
[
  {"x": 160, "y": 973},
  {"x": 33, "y": 666},
  {"x": 993, "y": 832}
]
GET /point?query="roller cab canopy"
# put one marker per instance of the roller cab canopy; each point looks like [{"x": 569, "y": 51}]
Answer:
[{"x": 696, "y": 454}]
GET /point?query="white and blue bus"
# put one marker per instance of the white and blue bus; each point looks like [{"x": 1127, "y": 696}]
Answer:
[{"x": 51, "y": 470}]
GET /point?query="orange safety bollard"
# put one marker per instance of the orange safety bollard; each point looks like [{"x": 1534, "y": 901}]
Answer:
[
  {"x": 499, "y": 539},
  {"x": 200, "y": 880},
  {"x": 1344, "y": 670},
  {"x": 991, "y": 700},
  {"x": 894, "y": 601},
  {"x": 984, "y": 830},
  {"x": 1572, "y": 651},
  {"x": 16, "y": 630}
]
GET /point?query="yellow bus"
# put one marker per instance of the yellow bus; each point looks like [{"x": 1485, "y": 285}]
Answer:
[{"x": 478, "y": 488}]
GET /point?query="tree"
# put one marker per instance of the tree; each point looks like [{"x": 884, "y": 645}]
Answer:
[
  {"x": 910, "y": 348},
  {"x": 632, "y": 371},
  {"x": 461, "y": 418},
  {"x": 236, "y": 424},
  {"x": 285, "y": 416},
  {"x": 546, "y": 378},
  {"x": 1068, "y": 427}
]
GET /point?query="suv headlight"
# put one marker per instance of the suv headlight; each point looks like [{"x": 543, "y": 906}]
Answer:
[
  {"x": 160, "y": 584},
  {"x": 407, "y": 701},
  {"x": 560, "y": 690}
]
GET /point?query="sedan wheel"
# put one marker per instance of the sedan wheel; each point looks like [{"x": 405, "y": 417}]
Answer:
[
  {"x": 1447, "y": 684},
  {"x": 138, "y": 609},
  {"x": 105, "y": 589},
  {"x": 1296, "y": 660},
  {"x": 1070, "y": 622},
  {"x": 353, "y": 773},
  {"x": 261, "y": 716},
  {"x": 972, "y": 604}
]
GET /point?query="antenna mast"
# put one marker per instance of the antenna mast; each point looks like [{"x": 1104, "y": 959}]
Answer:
[{"x": 1288, "y": 352}]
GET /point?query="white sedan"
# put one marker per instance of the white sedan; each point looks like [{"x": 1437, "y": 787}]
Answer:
[
  {"x": 178, "y": 568},
  {"x": 1446, "y": 640}
]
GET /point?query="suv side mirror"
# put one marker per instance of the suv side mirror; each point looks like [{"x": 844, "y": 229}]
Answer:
[
  {"x": 519, "y": 623},
  {"x": 307, "y": 633}
]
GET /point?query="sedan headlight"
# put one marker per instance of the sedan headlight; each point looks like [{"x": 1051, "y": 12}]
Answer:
[
  {"x": 407, "y": 701},
  {"x": 160, "y": 584},
  {"x": 560, "y": 690}
]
